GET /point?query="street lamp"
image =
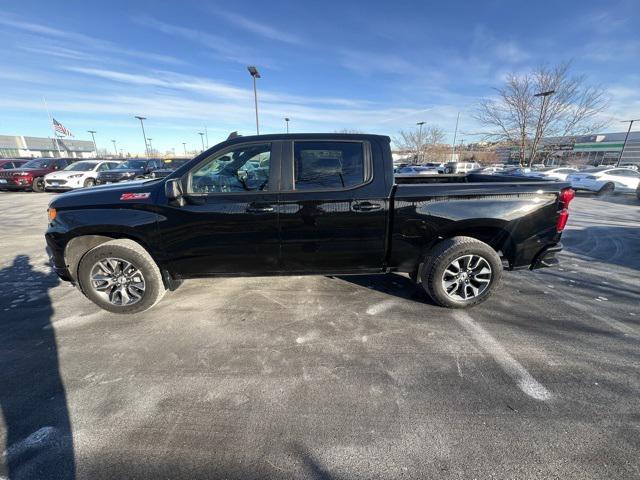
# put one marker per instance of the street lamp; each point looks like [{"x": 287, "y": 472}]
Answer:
[
  {"x": 202, "y": 139},
  {"x": 420, "y": 141},
  {"x": 626, "y": 137},
  {"x": 253, "y": 71},
  {"x": 184, "y": 145},
  {"x": 93, "y": 132},
  {"x": 150, "y": 147},
  {"x": 144, "y": 135},
  {"x": 286, "y": 119},
  {"x": 455, "y": 134},
  {"x": 115, "y": 149},
  {"x": 544, "y": 96}
]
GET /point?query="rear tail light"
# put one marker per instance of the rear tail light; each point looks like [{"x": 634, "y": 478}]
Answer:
[{"x": 565, "y": 197}]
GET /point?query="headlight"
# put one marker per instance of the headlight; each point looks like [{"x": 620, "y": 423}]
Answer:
[
  {"x": 77, "y": 175},
  {"x": 20, "y": 174},
  {"x": 128, "y": 174}
]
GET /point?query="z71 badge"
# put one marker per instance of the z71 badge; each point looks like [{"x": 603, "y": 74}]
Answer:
[{"x": 135, "y": 196}]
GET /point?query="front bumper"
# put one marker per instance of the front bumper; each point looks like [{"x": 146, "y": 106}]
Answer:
[
  {"x": 16, "y": 183},
  {"x": 56, "y": 259}
]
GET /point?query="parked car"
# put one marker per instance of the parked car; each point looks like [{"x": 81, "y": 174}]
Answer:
[
  {"x": 77, "y": 175},
  {"x": 605, "y": 180},
  {"x": 9, "y": 163},
  {"x": 136, "y": 169},
  {"x": 458, "y": 167},
  {"x": 323, "y": 204},
  {"x": 557, "y": 173},
  {"x": 169, "y": 166},
  {"x": 30, "y": 176},
  {"x": 417, "y": 170}
]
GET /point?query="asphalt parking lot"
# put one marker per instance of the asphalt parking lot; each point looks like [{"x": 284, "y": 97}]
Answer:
[{"x": 323, "y": 377}]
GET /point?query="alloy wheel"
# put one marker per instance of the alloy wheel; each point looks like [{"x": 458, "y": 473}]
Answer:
[
  {"x": 467, "y": 277},
  {"x": 118, "y": 281}
]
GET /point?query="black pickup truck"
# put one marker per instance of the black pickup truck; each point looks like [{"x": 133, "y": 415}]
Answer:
[{"x": 324, "y": 204}]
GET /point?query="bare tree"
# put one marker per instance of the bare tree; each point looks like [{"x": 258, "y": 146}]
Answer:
[
  {"x": 520, "y": 118},
  {"x": 423, "y": 142}
]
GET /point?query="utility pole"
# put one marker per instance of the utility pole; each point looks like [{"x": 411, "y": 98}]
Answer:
[
  {"x": 455, "y": 134},
  {"x": 286, "y": 120},
  {"x": 144, "y": 135},
  {"x": 115, "y": 149},
  {"x": 626, "y": 137},
  {"x": 202, "y": 139},
  {"x": 206, "y": 135},
  {"x": 253, "y": 71},
  {"x": 93, "y": 132},
  {"x": 150, "y": 147},
  {"x": 420, "y": 142},
  {"x": 184, "y": 145},
  {"x": 536, "y": 139}
]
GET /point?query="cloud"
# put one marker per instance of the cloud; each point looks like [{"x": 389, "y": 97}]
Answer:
[
  {"x": 81, "y": 40},
  {"x": 366, "y": 63},
  {"x": 224, "y": 48},
  {"x": 259, "y": 28}
]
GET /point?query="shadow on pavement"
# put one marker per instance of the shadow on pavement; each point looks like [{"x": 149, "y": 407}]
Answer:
[
  {"x": 33, "y": 401},
  {"x": 606, "y": 244},
  {"x": 392, "y": 284}
]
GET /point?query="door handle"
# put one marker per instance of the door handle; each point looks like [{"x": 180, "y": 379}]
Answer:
[
  {"x": 366, "y": 207},
  {"x": 259, "y": 209}
]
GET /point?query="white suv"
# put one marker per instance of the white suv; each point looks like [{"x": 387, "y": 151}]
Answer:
[{"x": 77, "y": 175}]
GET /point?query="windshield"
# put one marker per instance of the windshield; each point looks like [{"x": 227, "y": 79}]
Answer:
[
  {"x": 131, "y": 165},
  {"x": 40, "y": 163},
  {"x": 593, "y": 170},
  {"x": 81, "y": 167}
]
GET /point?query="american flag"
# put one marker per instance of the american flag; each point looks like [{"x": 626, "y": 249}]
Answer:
[{"x": 61, "y": 129}]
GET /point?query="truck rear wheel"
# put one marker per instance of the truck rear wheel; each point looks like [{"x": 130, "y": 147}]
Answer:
[
  {"x": 120, "y": 276},
  {"x": 461, "y": 272}
]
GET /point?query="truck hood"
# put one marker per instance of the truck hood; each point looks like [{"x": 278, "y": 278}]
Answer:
[{"x": 111, "y": 194}]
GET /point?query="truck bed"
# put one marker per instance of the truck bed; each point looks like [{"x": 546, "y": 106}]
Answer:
[{"x": 517, "y": 216}]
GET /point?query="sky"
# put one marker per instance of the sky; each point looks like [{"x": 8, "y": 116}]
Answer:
[{"x": 369, "y": 66}]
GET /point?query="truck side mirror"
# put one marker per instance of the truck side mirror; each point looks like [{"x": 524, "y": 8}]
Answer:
[{"x": 173, "y": 191}]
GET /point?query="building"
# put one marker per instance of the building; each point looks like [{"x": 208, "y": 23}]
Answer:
[
  {"x": 32, "y": 147},
  {"x": 597, "y": 149}
]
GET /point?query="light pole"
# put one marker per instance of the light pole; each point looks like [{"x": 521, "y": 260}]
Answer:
[
  {"x": 115, "y": 149},
  {"x": 536, "y": 140},
  {"x": 93, "y": 132},
  {"x": 202, "y": 139},
  {"x": 455, "y": 134},
  {"x": 253, "y": 71},
  {"x": 184, "y": 145},
  {"x": 150, "y": 147},
  {"x": 286, "y": 119},
  {"x": 420, "y": 124},
  {"x": 144, "y": 135},
  {"x": 626, "y": 137}
]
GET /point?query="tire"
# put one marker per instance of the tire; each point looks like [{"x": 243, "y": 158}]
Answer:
[
  {"x": 89, "y": 182},
  {"x": 146, "y": 284},
  {"x": 38, "y": 185},
  {"x": 475, "y": 257},
  {"x": 607, "y": 189}
]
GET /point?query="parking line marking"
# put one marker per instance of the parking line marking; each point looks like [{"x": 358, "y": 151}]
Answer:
[{"x": 523, "y": 379}]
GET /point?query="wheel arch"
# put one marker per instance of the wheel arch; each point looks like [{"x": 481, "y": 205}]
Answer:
[{"x": 78, "y": 246}]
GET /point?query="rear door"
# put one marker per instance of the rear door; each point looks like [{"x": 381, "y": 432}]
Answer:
[
  {"x": 230, "y": 222},
  {"x": 333, "y": 211}
]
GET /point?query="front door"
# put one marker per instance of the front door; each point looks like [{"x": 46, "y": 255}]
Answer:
[
  {"x": 332, "y": 215},
  {"x": 230, "y": 222}
]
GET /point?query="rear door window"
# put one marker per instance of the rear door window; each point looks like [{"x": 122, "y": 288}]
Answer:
[{"x": 328, "y": 165}]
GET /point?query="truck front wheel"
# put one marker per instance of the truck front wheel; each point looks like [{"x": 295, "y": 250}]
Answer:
[
  {"x": 120, "y": 276},
  {"x": 461, "y": 272}
]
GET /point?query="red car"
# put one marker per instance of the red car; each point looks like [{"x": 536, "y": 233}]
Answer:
[{"x": 30, "y": 175}]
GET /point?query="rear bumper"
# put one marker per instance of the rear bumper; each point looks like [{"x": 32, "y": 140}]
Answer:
[{"x": 546, "y": 257}]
